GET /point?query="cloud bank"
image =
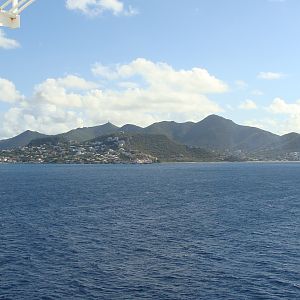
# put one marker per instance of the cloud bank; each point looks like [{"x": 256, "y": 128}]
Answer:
[
  {"x": 248, "y": 105},
  {"x": 282, "y": 117},
  {"x": 8, "y": 92},
  {"x": 270, "y": 75},
  {"x": 7, "y": 43},
  {"x": 98, "y": 7},
  {"x": 140, "y": 92}
]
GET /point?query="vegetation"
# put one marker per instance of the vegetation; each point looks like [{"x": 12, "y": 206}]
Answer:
[
  {"x": 213, "y": 138},
  {"x": 163, "y": 148}
]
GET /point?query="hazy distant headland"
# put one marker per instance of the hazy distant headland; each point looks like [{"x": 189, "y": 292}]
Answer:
[{"x": 212, "y": 139}]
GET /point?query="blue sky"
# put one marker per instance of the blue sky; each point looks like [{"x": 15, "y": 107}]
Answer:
[{"x": 85, "y": 62}]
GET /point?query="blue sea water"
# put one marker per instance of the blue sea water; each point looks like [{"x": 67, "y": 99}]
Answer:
[{"x": 165, "y": 231}]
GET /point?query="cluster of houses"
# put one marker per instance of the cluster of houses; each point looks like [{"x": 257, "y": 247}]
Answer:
[
  {"x": 109, "y": 150},
  {"x": 240, "y": 155}
]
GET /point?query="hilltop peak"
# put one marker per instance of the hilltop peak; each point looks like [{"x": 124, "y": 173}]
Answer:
[
  {"x": 29, "y": 131},
  {"x": 216, "y": 118},
  {"x": 213, "y": 132},
  {"x": 21, "y": 140},
  {"x": 291, "y": 135},
  {"x": 109, "y": 123}
]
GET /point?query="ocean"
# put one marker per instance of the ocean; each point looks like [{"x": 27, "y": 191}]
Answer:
[{"x": 161, "y": 231}]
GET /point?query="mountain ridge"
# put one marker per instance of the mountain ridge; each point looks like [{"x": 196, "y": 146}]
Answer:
[
  {"x": 212, "y": 133},
  {"x": 20, "y": 140}
]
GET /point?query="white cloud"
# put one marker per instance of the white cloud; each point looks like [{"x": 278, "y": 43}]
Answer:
[
  {"x": 76, "y": 83},
  {"x": 248, "y": 105},
  {"x": 141, "y": 92},
  {"x": 279, "y": 106},
  {"x": 241, "y": 84},
  {"x": 162, "y": 76},
  {"x": 266, "y": 124},
  {"x": 7, "y": 43},
  {"x": 290, "y": 113},
  {"x": 270, "y": 75},
  {"x": 8, "y": 91},
  {"x": 283, "y": 117},
  {"x": 63, "y": 92},
  {"x": 97, "y": 7},
  {"x": 39, "y": 116},
  {"x": 104, "y": 71},
  {"x": 257, "y": 93}
]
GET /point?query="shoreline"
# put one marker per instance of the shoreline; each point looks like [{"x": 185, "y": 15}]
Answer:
[{"x": 155, "y": 163}]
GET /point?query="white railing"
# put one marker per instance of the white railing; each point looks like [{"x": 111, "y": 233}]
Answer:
[{"x": 10, "y": 12}]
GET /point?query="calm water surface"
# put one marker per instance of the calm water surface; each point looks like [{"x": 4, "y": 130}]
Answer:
[{"x": 168, "y": 231}]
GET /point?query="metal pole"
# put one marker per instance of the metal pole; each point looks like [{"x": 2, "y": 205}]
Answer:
[
  {"x": 5, "y": 4},
  {"x": 15, "y": 5},
  {"x": 25, "y": 6}
]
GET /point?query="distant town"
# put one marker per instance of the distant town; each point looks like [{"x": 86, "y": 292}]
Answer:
[
  {"x": 240, "y": 155},
  {"x": 115, "y": 150},
  {"x": 211, "y": 140},
  {"x": 110, "y": 151}
]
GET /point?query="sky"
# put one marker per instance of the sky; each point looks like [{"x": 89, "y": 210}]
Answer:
[{"x": 76, "y": 63}]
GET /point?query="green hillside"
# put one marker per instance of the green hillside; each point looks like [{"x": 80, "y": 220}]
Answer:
[
  {"x": 20, "y": 140},
  {"x": 162, "y": 147},
  {"x": 213, "y": 133}
]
